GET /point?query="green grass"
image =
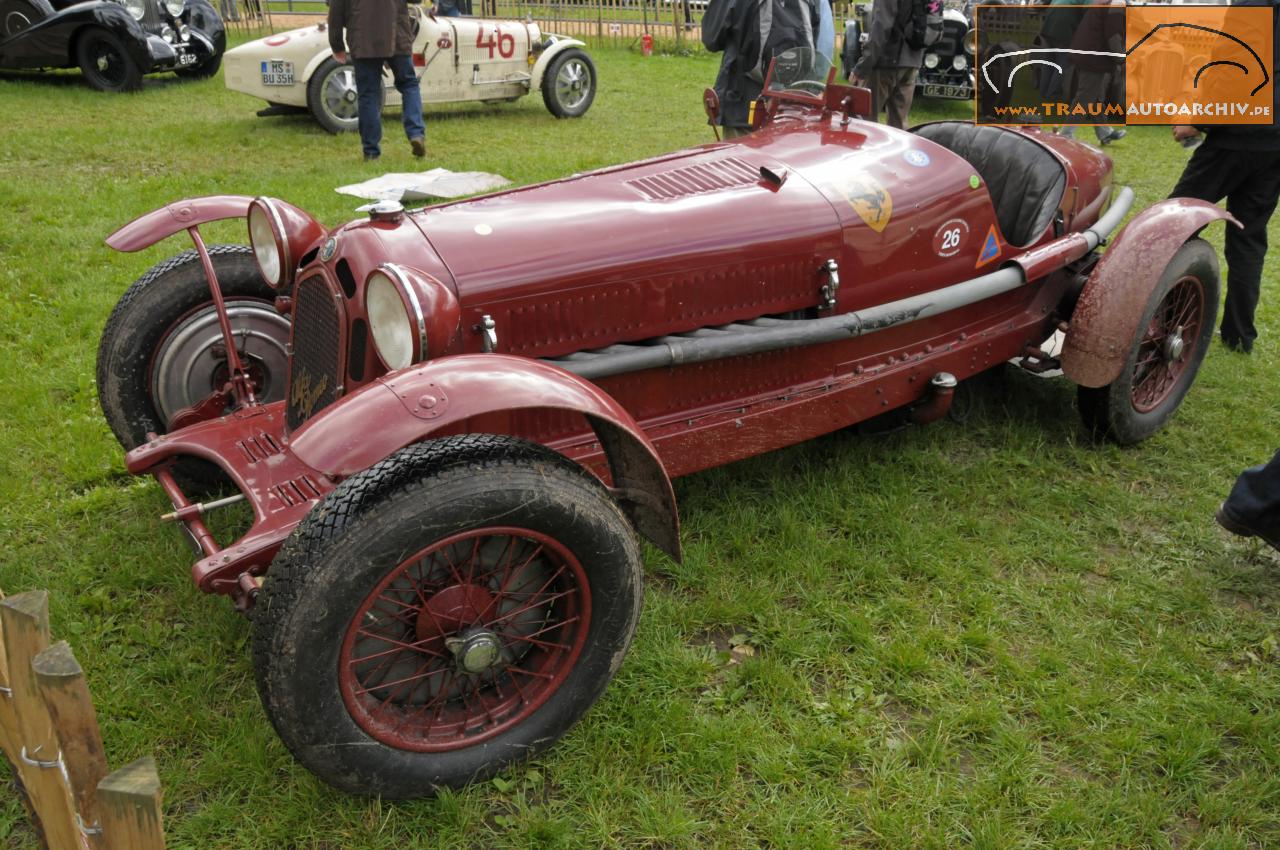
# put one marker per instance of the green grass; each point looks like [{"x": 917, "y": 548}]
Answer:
[{"x": 995, "y": 634}]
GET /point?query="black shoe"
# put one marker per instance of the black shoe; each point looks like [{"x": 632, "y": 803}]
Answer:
[
  {"x": 1238, "y": 345},
  {"x": 419, "y": 146},
  {"x": 1113, "y": 136},
  {"x": 1240, "y": 528},
  {"x": 370, "y": 157}
]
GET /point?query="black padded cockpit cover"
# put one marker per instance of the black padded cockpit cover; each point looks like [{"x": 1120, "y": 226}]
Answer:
[{"x": 1025, "y": 180}]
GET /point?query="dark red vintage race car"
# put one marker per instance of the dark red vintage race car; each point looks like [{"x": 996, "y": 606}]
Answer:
[{"x": 453, "y": 424}]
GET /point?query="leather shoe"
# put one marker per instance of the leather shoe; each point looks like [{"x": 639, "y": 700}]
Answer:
[
  {"x": 419, "y": 146},
  {"x": 1240, "y": 528}
]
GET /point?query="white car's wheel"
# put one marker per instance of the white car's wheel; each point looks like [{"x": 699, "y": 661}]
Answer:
[
  {"x": 569, "y": 85},
  {"x": 331, "y": 97}
]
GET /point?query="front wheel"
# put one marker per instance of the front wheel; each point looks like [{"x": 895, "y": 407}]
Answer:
[
  {"x": 569, "y": 85},
  {"x": 1168, "y": 347},
  {"x": 106, "y": 64},
  {"x": 448, "y": 611}
]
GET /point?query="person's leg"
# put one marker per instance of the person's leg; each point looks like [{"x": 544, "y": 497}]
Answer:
[
  {"x": 411, "y": 99},
  {"x": 881, "y": 85},
  {"x": 1253, "y": 508},
  {"x": 901, "y": 91},
  {"x": 1252, "y": 202},
  {"x": 369, "y": 104}
]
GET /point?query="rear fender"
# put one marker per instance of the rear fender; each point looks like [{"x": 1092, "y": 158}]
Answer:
[
  {"x": 1116, "y": 294},
  {"x": 544, "y": 59},
  {"x": 146, "y": 230},
  {"x": 408, "y": 407}
]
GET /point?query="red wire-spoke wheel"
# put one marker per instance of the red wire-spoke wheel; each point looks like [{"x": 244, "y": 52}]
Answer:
[
  {"x": 1162, "y": 353},
  {"x": 465, "y": 638},
  {"x": 1169, "y": 344},
  {"x": 452, "y": 609}
]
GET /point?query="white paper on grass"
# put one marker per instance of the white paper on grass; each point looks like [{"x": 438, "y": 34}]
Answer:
[{"x": 424, "y": 185}]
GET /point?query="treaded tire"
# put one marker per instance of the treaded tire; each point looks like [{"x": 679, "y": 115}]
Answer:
[
  {"x": 316, "y": 98},
  {"x": 353, "y": 540},
  {"x": 1113, "y": 411},
  {"x": 105, "y": 63},
  {"x": 562, "y": 100},
  {"x": 145, "y": 315}
]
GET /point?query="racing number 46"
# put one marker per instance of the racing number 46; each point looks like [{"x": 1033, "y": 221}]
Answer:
[{"x": 503, "y": 42}]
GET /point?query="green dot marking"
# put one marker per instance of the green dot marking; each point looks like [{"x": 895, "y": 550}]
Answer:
[{"x": 974, "y": 182}]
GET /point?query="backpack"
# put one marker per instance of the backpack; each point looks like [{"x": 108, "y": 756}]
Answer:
[{"x": 923, "y": 27}]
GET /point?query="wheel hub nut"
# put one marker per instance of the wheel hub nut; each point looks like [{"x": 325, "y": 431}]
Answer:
[
  {"x": 1174, "y": 346},
  {"x": 475, "y": 652}
]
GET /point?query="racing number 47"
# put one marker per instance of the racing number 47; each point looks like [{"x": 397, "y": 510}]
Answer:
[{"x": 503, "y": 42}]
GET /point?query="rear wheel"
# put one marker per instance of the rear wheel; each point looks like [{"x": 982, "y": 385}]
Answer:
[
  {"x": 452, "y": 609},
  {"x": 17, "y": 15},
  {"x": 106, "y": 64},
  {"x": 332, "y": 97},
  {"x": 162, "y": 350},
  {"x": 569, "y": 84},
  {"x": 1168, "y": 347}
]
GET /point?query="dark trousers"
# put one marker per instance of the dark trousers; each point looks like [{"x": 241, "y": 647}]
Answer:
[
  {"x": 892, "y": 90},
  {"x": 1255, "y": 498},
  {"x": 1250, "y": 181},
  {"x": 369, "y": 99}
]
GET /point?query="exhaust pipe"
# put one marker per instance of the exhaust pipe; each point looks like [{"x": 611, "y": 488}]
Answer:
[{"x": 934, "y": 406}]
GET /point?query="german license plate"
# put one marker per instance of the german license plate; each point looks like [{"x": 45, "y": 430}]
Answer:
[
  {"x": 277, "y": 72},
  {"x": 187, "y": 58},
  {"x": 960, "y": 92}
]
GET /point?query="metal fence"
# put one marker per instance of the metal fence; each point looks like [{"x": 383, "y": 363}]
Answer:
[{"x": 618, "y": 22}]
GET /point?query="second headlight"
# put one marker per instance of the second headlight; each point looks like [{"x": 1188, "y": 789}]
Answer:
[{"x": 396, "y": 318}]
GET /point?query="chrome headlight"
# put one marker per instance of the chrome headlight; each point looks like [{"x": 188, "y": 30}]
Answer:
[
  {"x": 174, "y": 7},
  {"x": 396, "y": 319},
  {"x": 970, "y": 42},
  {"x": 931, "y": 60},
  {"x": 266, "y": 235},
  {"x": 960, "y": 62},
  {"x": 137, "y": 8}
]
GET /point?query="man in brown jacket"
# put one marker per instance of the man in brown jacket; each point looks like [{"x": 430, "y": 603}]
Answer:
[{"x": 378, "y": 32}]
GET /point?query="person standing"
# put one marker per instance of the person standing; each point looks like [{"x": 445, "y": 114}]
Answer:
[
  {"x": 378, "y": 32},
  {"x": 888, "y": 65},
  {"x": 750, "y": 33},
  {"x": 1253, "y": 508}
]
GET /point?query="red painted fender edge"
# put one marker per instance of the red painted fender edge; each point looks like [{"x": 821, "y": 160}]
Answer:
[
  {"x": 146, "y": 230},
  {"x": 409, "y": 406},
  {"x": 1107, "y": 314}
]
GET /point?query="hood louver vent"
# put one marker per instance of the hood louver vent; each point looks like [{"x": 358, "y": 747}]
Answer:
[{"x": 696, "y": 179}]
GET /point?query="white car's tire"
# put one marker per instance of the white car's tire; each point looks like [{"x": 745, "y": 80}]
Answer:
[{"x": 331, "y": 97}]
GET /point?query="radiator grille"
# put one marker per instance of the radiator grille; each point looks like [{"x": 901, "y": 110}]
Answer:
[{"x": 315, "y": 374}]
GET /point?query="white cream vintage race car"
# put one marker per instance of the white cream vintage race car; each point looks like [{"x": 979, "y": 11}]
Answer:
[{"x": 457, "y": 60}]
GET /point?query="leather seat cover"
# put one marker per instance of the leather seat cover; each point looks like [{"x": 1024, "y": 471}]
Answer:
[{"x": 1025, "y": 180}]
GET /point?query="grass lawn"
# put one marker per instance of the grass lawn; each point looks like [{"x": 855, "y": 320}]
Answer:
[{"x": 994, "y": 634}]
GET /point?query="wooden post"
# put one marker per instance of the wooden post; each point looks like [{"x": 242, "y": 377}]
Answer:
[
  {"x": 25, "y": 620},
  {"x": 66, "y": 695},
  {"x": 129, "y": 803}
]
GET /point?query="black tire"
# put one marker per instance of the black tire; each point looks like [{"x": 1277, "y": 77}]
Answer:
[
  {"x": 17, "y": 15},
  {"x": 327, "y": 579},
  {"x": 569, "y": 84},
  {"x": 106, "y": 64},
  {"x": 1162, "y": 362},
  {"x": 203, "y": 71},
  {"x": 852, "y": 50},
  {"x": 165, "y": 319},
  {"x": 331, "y": 96}
]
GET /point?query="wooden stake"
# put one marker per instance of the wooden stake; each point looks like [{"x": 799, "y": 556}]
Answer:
[
  {"x": 25, "y": 621},
  {"x": 66, "y": 696},
  {"x": 129, "y": 802}
]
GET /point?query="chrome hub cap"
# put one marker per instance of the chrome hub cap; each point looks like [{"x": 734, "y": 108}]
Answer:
[
  {"x": 340, "y": 96},
  {"x": 571, "y": 83},
  {"x": 476, "y": 651},
  {"x": 1174, "y": 346}
]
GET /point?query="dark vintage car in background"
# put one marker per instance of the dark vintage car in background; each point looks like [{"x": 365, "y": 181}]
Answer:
[
  {"x": 947, "y": 67},
  {"x": 113, "y": 43},
  {"x": 453, "y": 424}
]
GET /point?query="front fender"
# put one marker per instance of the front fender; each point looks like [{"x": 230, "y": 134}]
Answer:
[
  {"x": 409, "y": 406},
  {"x": 544, "y": 59},
  {"x": 1114, "y": 298},
  {"x": 146, "y": 230}
]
